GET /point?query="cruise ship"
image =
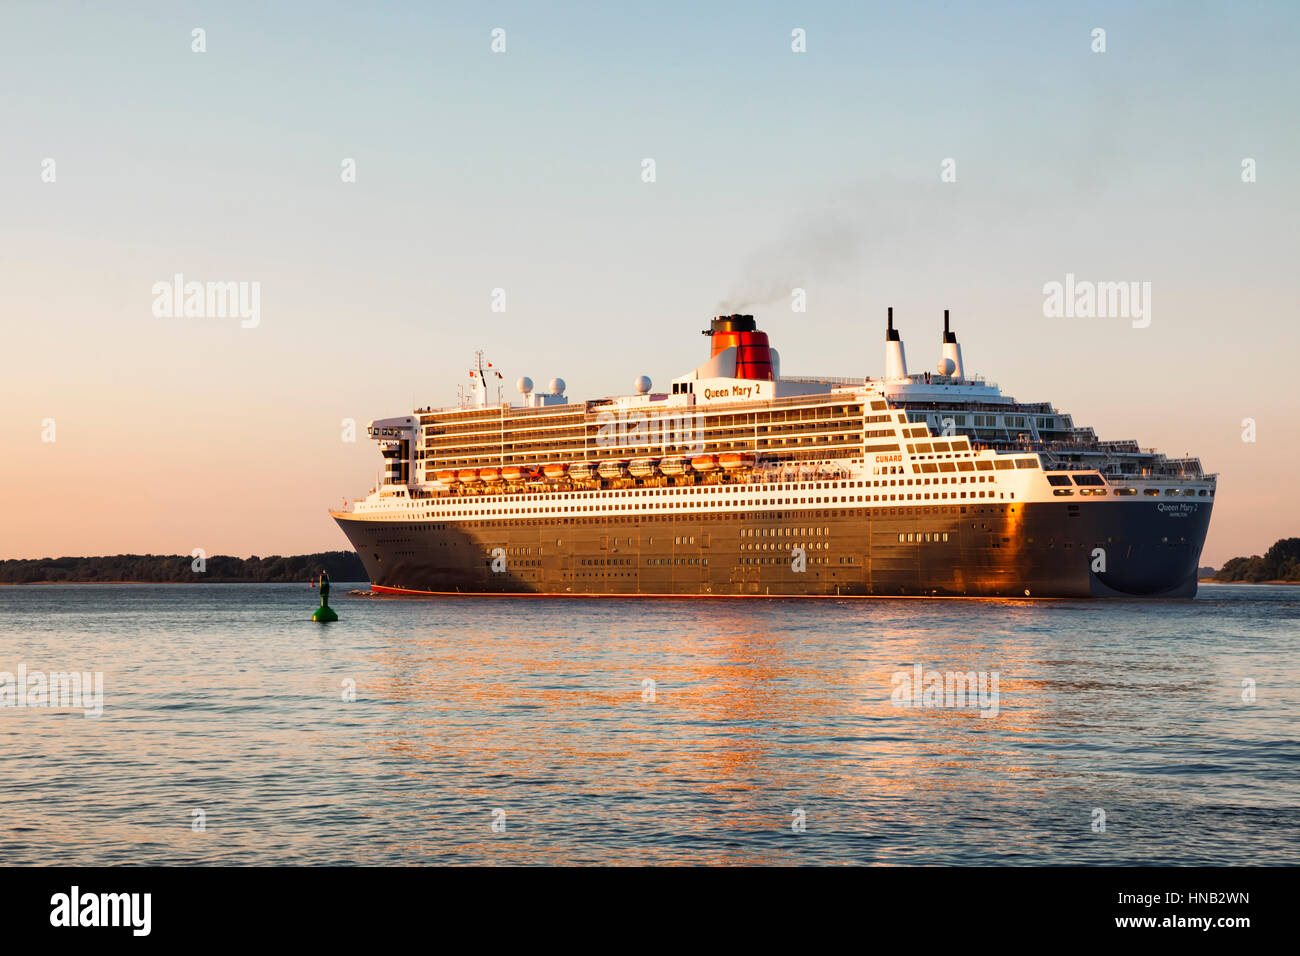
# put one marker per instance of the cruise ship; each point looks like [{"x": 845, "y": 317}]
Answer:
[{"x": 739, "y": 481}]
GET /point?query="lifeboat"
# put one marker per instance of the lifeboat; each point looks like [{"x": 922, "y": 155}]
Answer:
[
  {"x": 733, "y": 461},
  {"x": 467, "y": 475},
  {"x": 513, "y": 473},
  {"x": 554, "y": 472},
  {"x": 612, "y": 468},
  {"x": 642, "y": 467},
  {"x": 704, "y": 463},
  {"x": 489, "y": 474},
  {"x": 447, "y": 476},
  {"x": 673, "y": 466},
  {"x": 581, "y": 470}
]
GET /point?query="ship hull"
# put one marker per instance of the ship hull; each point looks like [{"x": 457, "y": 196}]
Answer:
[{"x": 1116, "y": 549}]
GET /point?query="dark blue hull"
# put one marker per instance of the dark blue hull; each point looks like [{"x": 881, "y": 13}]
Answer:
[{"x": 1133, "y": 548}]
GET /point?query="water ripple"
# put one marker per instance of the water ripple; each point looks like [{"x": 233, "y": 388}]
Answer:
[{"x": 225, "y": 699}]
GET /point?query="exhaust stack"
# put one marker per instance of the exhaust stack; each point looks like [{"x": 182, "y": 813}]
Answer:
[
  {"x": 755, "y": 359},
  {"x": 951, "y": 363},
  {"x": 895, "y": 362}
]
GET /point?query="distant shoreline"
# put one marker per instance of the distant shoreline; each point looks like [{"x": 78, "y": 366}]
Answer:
[
  {"x": 196, "y": 568},
  {"x": 1217, "y": 581},
  {"x": 335, "y": 582},
  {"x": 1280, "y": 564}
]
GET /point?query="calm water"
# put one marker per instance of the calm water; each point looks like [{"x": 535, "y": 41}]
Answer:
[{"x": 227, "y": 699}]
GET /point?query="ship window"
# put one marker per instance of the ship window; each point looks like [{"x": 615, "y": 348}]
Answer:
[
  {"x": 983, "y": 465},
  {"x": 1058, "y": 481},
  {"x": 1002, "y": 464},
  {"x": 1088, "y": 480},
  {"x": 1026, "y": 462}
]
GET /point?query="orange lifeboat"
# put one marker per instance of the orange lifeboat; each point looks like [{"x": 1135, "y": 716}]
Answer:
[
  {"x": 673, "y": 466},
  {"x": 643, "y": 467},
  {"x": 512, "y": 473},
  {"x": 733, "y": 461},
  {"x": 447, "y": 476},
  {"x": 704, "y": 463},
  {"x": 554, "y": 472},
  {"x": 612, "y": 468},
  {"x": 581, "y": 470},
  {"x": 467, "y": 475},
  {"x": 489, "y": 474}
]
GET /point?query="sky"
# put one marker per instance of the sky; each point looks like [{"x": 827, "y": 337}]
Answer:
[{"x": 922, "y": 156}]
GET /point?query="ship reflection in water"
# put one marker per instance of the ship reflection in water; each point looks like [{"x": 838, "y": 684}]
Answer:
[{"x": 653, "y": 731}]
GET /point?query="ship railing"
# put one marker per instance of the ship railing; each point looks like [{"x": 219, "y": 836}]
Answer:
[
  {"x": 1186, "y": 465},
  {"x": 934, "y": 378},
  {"x": 966, "y": 403},
  {"x": 823, "y": 380},
  {"x": 1068, "y": 447},
  {"x": 1146, "y": 476},
  {"x": 1009, "y": 407},
  {"x": 1127, "y": 446}
]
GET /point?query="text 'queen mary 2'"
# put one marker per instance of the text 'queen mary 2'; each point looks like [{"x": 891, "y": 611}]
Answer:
[{"x": 739, "y": 481}]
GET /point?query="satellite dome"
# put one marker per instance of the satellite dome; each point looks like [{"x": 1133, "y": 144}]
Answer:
[
  {"x": 642, "y": 384},
  {"x": 557, "y": 386},
  {"x": 947, "y": 366},
  {"x": 524, "y": 385}
]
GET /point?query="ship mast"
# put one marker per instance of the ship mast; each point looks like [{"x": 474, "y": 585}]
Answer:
[{"x": 480, "y": 380}]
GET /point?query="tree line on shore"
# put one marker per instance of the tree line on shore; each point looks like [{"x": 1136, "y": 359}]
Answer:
[
  {"x": 176, "y": 568},
  {"x": 1279, "y": 563}
]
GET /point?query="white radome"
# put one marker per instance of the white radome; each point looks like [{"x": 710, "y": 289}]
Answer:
[
  {"x": 642, "y": 384},
  {"x": 947, "y": 366},
  {"x": 557, "y": 386},
  {"x": 524, "y": 385}
]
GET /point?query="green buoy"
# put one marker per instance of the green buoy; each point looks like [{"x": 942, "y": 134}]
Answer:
[{"x": 324, "y": 613}]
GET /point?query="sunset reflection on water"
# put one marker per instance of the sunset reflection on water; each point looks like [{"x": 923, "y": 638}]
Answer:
[{"x": 760, "y": 709}]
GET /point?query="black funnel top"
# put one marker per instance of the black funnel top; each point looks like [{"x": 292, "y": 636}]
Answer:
[
  {"x": 948, "y": 336},
  {"x": 732, "y": 323},
  {"x": 891, "y": 333}
]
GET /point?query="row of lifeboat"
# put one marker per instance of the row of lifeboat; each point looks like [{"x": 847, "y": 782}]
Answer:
[{"x": 610, "y": 469}]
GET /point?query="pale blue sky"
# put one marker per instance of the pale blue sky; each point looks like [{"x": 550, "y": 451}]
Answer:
[{"x": 522, "y": 171}]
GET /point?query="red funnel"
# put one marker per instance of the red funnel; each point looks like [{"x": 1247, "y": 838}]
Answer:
[{"x": 753, "y": 354}]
